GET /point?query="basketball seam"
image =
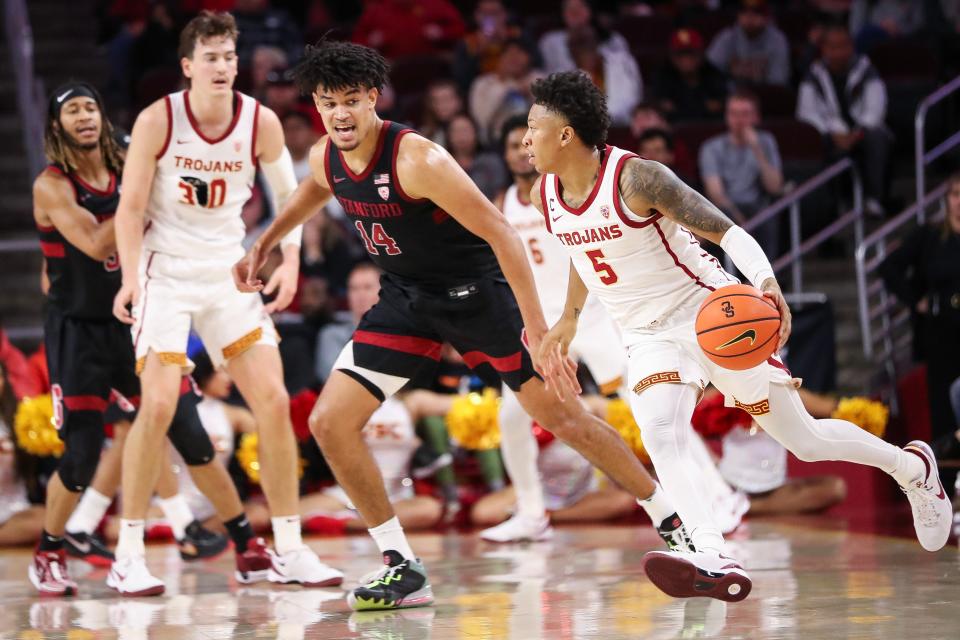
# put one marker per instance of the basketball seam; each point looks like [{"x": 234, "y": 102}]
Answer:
[
  {"x": 734, "y": 324},
  {"x": 741, "y": 295},
  {"x": 745, "y": 353}
]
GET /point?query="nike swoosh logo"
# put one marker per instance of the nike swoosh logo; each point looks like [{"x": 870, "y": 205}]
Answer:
[
  {"x": 82, "y": 547},
  {"x": 338, "y": 180},
  {"x": 187, "y": 141},
  {"x": 64, "y": 96},
  {"x": 557, "y": 218},
  {"x": 749, "y": 334}
]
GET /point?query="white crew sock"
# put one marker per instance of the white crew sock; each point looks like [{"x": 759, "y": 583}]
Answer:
[
  {"x": 286, "y": 533},
  {"x": 90, "y": 510},
  {"x": 909, "y": 468},
  {"x": 389, "y": 537},
  {"x": 178, "y": 514},
  {"x": 519, "y": 450},
  {"x": 657, "y": 506},
  {"x": 130, "y": 541}
]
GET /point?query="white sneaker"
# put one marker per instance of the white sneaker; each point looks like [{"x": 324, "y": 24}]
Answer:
[
  {"x": 932, "y": 511},
  {"x": 686, "y": 574},
  {"x": 519, "y": 529},
  {"x": 302, "y": 566},
  {"x": 729, "y": 511},
  {"x": 129, "y": 575}
]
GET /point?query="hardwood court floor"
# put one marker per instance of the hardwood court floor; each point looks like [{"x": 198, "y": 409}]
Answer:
[{"x": 809, "y": 584}]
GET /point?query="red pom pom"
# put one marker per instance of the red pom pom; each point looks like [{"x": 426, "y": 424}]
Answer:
[
  {"x": 713, "y": 420},
  {"x": 543, "y": 436},
  {"x": 300, "y": 407}
]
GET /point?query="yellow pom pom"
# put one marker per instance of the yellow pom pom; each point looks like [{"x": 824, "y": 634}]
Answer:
[
  {"x": 34, "y": 427},
  {"x": 621, "y": 418},
  {"x": 249, "y": 458},
  {"x": 472, "y": 421},
  {"x": 868, "y": 414}
]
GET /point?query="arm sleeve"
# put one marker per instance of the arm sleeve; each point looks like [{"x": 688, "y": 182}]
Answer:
[
  {"x": 747, "y": 255},
  {"x": 283, "y": 182}
]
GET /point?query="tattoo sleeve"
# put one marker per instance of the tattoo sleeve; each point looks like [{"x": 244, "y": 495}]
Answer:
[{"x": 654, "y": 186}]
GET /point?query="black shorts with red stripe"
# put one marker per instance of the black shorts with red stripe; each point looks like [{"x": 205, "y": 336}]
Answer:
[{"x": 402, "y": 336}]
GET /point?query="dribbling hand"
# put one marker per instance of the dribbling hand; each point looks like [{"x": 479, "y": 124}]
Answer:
[
  {"x": 129, "y": 295},
  {"x": 771, "y": 290}
]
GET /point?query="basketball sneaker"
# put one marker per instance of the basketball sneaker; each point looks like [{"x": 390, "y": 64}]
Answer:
[
  {"x": 674, "y": 533},
  {"x": 129, "y": 575},
  {"x": 685, "y": 574},
  {"x": 519, "y": 528},
  {"x": 302, "y": 566},
  {"x": 932, "y": 510},
  {"x": 199, "y": 543},
  {"x": 48, "y": 573},
  {"x": 89, "y": 548},
  {"x": 400, "y": 584},
  {"x": 253, "y": 564}
]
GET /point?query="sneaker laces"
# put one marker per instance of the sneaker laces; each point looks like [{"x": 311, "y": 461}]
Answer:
[
  {"x": 927, "y": 513},
  {"x": 56, "y": 570},
  {"x": 374, "y": 577}
]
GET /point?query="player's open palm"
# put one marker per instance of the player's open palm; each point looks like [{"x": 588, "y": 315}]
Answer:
[
  {"x": 555, "y": 365},
  {"x": 283, "y": 281},
  {"x": 245, "y": 271},
  {"x": 125, "y": 301},
  {"x": 772, "y": 290}
]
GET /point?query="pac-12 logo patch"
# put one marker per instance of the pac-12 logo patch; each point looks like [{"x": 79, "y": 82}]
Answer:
[
  {"x": 384, "y": 192},
  {"x": 605, "y": 211}
]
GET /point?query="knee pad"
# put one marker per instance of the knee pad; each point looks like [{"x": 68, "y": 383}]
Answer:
[
  {"x": 187, "y": 434},
  {"x": 83, "y": 438}
]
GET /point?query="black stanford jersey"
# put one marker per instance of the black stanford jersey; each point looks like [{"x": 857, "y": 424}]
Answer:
[
  {"x": 80, "y": 286},
  {"x": 406, "y": 237}
]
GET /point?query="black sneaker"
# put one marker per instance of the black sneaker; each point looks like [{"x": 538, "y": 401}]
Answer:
[
  {"x": 200, "y": 544},
  {"x": 88, "y": 547},
  {"x": 400, "y": 584},
  {"x": 674, "y": 533}
]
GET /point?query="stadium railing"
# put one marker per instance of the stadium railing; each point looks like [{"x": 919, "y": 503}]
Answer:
[
  {"x": 29, "y": 88},
  {"x": 923, "y": 158}
]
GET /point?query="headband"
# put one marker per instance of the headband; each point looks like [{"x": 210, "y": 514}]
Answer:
[{"x": 67, "y": 92}]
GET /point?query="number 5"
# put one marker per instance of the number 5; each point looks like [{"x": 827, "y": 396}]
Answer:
[{"x": 602, "y": 267}]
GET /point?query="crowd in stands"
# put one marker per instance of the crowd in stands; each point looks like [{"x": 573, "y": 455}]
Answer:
[{"x": 739, "y": 98}]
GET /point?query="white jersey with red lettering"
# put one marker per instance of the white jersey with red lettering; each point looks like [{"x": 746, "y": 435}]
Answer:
[
  {"x": 641, "y": 267},
  {"x": 201, "y": 184}
]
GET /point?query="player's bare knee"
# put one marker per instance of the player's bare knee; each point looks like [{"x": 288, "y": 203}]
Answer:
[
  {"x": 157, "y": 412},
  {"x": 321, "y": 422}
]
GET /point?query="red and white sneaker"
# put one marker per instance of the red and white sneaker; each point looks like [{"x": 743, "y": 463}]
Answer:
[
  {"x": 48, "y": 573},
  {"x": 520, "y": 528},
  {"x": 302, "y": 566},
  {"x": 932, "y": 510},
  {"x": 253, "y": 565},
  {"x": 689, "y": 574},
  {"x": 129, "y": 575}
]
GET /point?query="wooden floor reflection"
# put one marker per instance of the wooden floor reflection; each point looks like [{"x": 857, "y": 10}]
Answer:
[{"x": 585, "y": 583}]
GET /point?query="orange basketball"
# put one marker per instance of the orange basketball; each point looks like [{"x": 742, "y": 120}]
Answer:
[{"x": 737, "y": 327}]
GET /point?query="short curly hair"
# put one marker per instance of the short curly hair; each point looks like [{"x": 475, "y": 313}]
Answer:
[
  {"x": 574, "y": 96},
  {"x": 340, "y": 65}
]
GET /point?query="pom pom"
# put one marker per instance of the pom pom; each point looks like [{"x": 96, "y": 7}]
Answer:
[
  {"x": 621, "y": 418},
  {"x": 713, "y": 420},
  {"x": 472, "y": 421},
  {"x": 35, "y": 429},
  {"x": 868, "y": 414},
  {"x": 249, "y": 458},
  {"x": 300, "y": 407}
]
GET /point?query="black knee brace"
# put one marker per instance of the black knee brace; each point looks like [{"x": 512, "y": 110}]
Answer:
[
  {"x": 83, "y": 437},
  {"x": 187, "y": 434}
]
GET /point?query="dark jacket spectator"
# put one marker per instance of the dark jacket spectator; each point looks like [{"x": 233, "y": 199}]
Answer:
[
  {"x": 261, "y": 25},
  {"x": 688, "y": 87},
  {"x": 399, "y": 28},
  {"x": 441, "y": 103},
  {"x": 485, "y": 169},
  {"x": 754, "y": 49},
  {"x": 480, "y": 50}
]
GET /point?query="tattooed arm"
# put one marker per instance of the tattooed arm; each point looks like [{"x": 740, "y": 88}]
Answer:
[{"x": 647, "y": 185}]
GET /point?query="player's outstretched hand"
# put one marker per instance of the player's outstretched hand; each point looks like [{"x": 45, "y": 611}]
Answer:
[
  {"x": 559, "y": 371},
  {"x": 246, "y": 270},
  {"x": 284, "y": 282},
  {"x": 771, "y": 290},
  {"x": 129, "y": 295}
]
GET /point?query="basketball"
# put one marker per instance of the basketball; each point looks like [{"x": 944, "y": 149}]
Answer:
[{"x": 737, "y": 327}]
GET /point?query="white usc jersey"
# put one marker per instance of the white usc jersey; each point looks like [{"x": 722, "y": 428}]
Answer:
[
  {"x": 641, "y": 268},
  {"x": 201, "y": 184},
  {"x": 548, "y": 259}
]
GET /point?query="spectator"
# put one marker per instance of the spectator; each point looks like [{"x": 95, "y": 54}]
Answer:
[
  {"x": 688, "y": 86},
  {"x": 399, "y": 28},
  {"x": 363, "y": 291},
  {"x": 485, "y": 169},
  {"x": 613, "y": 70},
  {"x": 645, "y": 116},
  {"x": 480, "y": 50},
  {"x": 924, "y": 274},
  {"x": 496, "y": 96},
  {"x": 300, "y": 137},
  {"x": 280, "y": 91},
  {"x": 20, "y": 522},
  {"x": 263, "y": 62},
  {"x": 442, "y": 102},
  {"x": 260, "y": 25},
  {"x": 741, "y": 169},
  {"x": 660, "y": 145},
  {"x": 844, "y": 98},
  {"x": 299, "y": 333},
  {"x": 577, "y": 16},
  {"x": 875, "y": 21},
  {"x": 328, "y": 251},
  {"x": 753, "y": 50}
]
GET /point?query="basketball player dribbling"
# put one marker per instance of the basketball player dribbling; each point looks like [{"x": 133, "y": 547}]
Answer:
[
  {"x": 598, "y": 346},
  {"x": 89, "y": 353},
  {"x": 441, "y": 246},
  {"x": 190, "y": 168},
  {"x": 626, "y": 223}
]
